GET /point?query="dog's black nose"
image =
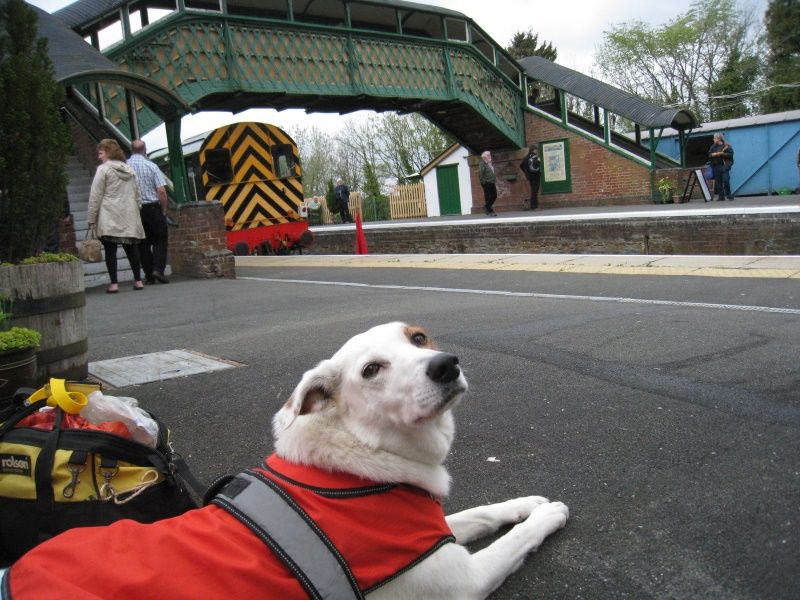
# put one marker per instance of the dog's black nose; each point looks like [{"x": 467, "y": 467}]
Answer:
[{"x": 443, "y": 368}]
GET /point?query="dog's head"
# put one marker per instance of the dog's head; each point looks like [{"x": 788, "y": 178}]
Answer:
[{"x": 387, "y": 389}]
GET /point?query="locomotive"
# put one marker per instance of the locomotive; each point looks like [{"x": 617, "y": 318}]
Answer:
[{"x": 253, "y": 169}]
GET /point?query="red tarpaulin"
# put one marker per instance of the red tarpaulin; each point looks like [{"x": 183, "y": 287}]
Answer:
[{"x": 361, "y": 241}]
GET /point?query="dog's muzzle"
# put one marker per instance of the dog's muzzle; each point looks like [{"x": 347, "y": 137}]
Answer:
[{"x": 443, "y": 368}]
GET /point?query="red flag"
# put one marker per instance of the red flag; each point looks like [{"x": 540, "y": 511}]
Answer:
[{"x": 361, "y": 241}]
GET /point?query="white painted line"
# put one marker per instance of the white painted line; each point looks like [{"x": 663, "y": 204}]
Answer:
[
  {"x": 738, "y": 307},
  {"x": 635, "y": 214}
]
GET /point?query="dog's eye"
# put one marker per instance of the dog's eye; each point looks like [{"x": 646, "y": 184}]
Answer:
[
  {"x": 369, "y": 371},
  {"x": 419, "y": 339}
]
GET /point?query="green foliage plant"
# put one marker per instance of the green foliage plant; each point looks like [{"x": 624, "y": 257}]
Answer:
[
  {"x": 330, "y": 198},
  {"x": 15, "y": 338},
  {"x": 782, "y": 68},
  {"x": 665, "y": 188},
  {"x": 49, "y": 257},
  {"x": 34, "y": 140},
  {"x": 19, "y": 338}
]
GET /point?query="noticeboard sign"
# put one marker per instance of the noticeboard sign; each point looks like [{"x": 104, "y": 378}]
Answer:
[{"x": 556, "y": 176}]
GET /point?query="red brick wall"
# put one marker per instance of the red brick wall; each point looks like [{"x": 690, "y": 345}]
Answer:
[
  {"x": 741, "y": 234},
  {"x": 600, "y": 177},
  {"x": 197, "y": 247}
]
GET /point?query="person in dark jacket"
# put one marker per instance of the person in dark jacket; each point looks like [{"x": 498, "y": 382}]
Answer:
[
  {"x": 720, "y": 155},
  {"x": 341, "y": 194},
  {"x": 530, "y": 165}
]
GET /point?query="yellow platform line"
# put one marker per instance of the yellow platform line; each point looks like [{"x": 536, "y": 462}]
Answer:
[{"x": 566, "y": 264}]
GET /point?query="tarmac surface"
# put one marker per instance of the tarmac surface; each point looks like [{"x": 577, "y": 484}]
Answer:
[{"x": 658, "y": 397}]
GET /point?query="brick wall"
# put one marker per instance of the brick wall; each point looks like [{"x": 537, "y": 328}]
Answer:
[
  {"x": 724, "y": 235},
  {"x": 197, "y": 247},
  {"x": 600, "y": 177}
]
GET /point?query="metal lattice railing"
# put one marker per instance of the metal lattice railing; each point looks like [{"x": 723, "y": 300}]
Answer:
[{"x": 198, "y": 56}]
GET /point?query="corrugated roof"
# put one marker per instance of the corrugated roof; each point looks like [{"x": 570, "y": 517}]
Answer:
[
  {"x": 606, "y": 96},
  {"x": 84, "y": 12},
  {"x": 751, "y": 121}
]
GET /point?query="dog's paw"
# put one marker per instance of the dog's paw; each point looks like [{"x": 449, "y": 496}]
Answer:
[
  {"x": 520, "y": 509},
  {"x": 552, "y": 516}
]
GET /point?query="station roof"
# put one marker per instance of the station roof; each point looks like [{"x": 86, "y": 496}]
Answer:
[
  {"x": 642, "y": 112},
  {"x": 75, "y": 62},
  {"x": 85, "y": 12}
]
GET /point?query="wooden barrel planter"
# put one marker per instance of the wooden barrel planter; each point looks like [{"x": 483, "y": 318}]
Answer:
[
  {"x": 50, "y": 298},
  {"x": 17, "y": 370}
]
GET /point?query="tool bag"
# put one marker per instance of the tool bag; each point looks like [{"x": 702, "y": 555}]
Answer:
[{"x": 51, "y": 481}]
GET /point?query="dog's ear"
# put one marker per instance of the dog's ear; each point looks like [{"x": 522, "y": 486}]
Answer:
[{"x": 316, "y": 389}]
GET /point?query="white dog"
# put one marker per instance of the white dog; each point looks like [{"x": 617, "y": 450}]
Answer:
[{"x": 364, "y": 433}]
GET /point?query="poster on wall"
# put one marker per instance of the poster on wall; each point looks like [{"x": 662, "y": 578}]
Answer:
[{"x": 555, "y": 163}]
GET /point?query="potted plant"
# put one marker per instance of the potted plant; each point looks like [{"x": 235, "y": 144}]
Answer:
[
  {"x": 665, "y": 189},
  {"x": 18, "y": 347}
]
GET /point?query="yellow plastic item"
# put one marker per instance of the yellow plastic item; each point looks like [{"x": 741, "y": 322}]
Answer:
[{"x": 71, "y": 402}]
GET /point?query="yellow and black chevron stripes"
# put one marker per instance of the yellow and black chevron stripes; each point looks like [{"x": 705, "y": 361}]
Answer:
[
  {"x": 249, "y": 205},
  {"x": 255, "y": 196}
]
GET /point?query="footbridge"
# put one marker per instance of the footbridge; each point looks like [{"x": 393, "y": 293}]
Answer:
[{"x": 332, "y": 56}]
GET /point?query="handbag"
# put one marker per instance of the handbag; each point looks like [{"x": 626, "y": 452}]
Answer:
[
  {"x": 91, "y": 249},
  {"x": 54, "y": 480}
]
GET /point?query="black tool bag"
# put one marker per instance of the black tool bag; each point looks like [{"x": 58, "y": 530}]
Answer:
[{"x": 51, "y": 481}]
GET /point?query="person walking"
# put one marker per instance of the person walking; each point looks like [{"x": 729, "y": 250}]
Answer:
[
  {"x": 341, "y": 195},
  {"x": 531, "y": 166},
  {"x": 488, "y": 181},
  {"x": 153, "y": 186},
  {"x": 113, "y": 213},
  {"x": 720, "y": 156}
]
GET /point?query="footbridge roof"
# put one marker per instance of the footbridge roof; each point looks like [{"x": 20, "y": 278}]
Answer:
[{"x": 638, "y": 110}]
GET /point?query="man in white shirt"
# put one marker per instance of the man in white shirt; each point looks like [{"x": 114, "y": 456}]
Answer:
[{"x": 152, "y": 183}]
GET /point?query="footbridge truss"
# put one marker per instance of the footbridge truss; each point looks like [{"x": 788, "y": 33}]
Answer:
[{"x": 320, "y": 55}]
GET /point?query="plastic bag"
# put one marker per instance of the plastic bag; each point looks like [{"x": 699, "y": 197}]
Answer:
[{"x": 101, "y": 407}]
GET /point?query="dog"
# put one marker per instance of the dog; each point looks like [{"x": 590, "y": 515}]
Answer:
[{"x": 359, "y": 452}]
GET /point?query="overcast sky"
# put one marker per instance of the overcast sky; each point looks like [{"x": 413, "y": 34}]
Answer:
[{"x": 574, "y": 27}]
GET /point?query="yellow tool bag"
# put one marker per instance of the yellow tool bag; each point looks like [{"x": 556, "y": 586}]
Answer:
[{"x": 55, "y": 475}]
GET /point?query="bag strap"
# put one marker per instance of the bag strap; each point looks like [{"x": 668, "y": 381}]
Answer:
[
  {"x": 278, "y": 521},
  {"x": 12, "y": 421}
]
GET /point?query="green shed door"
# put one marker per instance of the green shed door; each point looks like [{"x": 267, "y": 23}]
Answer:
[{"x": 449, "y": 194}]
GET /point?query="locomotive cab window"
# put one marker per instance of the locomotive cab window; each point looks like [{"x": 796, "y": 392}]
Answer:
[
  {"x": 218, "y": 165},
  {"x": 283, "y": 161}
]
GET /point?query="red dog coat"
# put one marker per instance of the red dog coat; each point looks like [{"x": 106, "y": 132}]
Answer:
[{"x": 379, "y": 529}]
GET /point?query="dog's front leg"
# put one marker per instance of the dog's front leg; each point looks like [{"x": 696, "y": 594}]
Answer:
[
  {"x": 475, "y": 523},
  {"x": 504, "y": 556},
  {"x": 453, "y": 573}
]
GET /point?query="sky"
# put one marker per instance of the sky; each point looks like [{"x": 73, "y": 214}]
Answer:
[{"x": 574, "y": 27}]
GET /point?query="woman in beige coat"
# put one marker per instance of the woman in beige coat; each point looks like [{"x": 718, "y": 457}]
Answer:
[{"x": 114, "y": 204}]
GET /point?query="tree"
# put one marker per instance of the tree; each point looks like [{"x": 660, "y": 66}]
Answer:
[
  {"x": 34, "y": 140},
  {"x": 782, "y": 70},
  {"x": 408, "y": 143},
  {"x": 316, "y": 158},
  {"x": 526, "y": 43},
  {"x": 729, "y": 96},
  {"x": 684, "y": 61}
]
